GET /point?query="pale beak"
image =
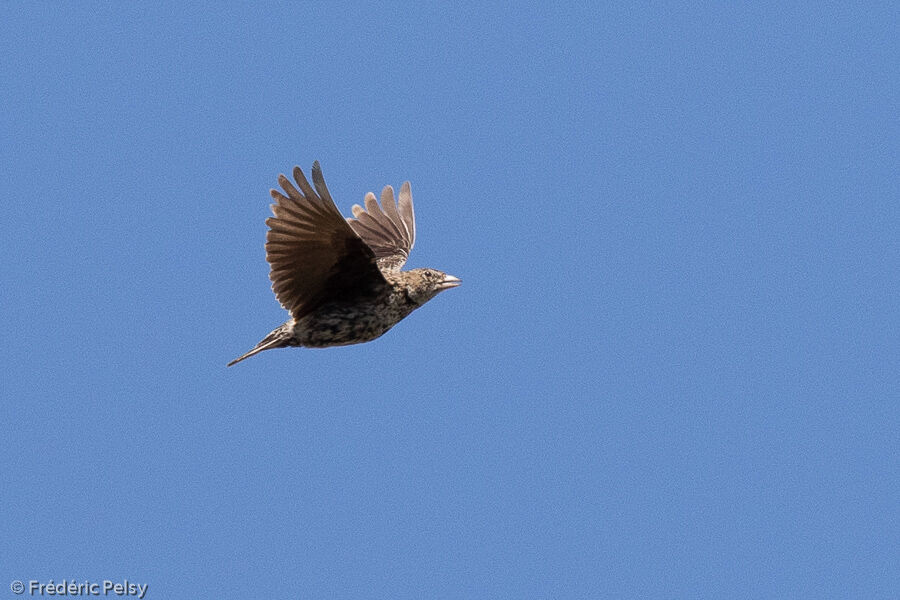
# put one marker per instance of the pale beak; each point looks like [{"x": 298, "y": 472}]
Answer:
[{"x": 449, "y": 282}]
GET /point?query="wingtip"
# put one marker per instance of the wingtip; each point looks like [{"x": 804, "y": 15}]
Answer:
[
  {"x": 387, "y": 195},
  {"x": 405, "y": 196}
]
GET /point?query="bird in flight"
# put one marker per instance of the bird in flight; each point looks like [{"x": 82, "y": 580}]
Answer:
[{"x": 340, "y": 278}]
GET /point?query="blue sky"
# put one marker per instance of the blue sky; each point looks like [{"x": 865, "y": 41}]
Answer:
[{"x": 671, "y": 370}]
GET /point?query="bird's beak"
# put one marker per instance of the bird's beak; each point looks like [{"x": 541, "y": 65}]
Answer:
[{"x": 449, "y": 282}]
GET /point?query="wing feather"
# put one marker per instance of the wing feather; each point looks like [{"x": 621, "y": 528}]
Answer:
[
  {"x": 315, "y": 257},
  {"x": 388, "y": 229},
  {"x": 406, "y": 212}
]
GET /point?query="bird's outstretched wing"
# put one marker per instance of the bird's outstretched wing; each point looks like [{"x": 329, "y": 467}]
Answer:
[
  {"x": 314, "y": 254},
  {"x": 389, "y": 230}
]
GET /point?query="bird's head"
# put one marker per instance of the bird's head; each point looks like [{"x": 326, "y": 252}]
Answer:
[{"x": 424, "y": 284}]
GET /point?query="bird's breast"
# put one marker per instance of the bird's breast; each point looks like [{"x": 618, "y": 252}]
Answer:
[{"x": 342, "y": 324}]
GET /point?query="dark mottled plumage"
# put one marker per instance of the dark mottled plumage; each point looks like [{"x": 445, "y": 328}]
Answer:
[{"x": 341, "y": 279}]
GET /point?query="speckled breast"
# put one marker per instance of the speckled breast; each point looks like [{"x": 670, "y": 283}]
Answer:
[{"x": 342, "y": 325}]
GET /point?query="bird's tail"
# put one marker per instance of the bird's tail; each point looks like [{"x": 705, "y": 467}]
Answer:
[{"x": 279, "y": 338}]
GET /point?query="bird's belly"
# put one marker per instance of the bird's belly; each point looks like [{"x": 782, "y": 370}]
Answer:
[{"x": 343, "y": 326}]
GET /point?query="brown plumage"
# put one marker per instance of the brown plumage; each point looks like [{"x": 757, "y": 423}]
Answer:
[{"x": 340, "y": 278}]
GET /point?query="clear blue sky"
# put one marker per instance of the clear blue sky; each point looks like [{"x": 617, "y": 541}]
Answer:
[{"x": 672, "y": 370}]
